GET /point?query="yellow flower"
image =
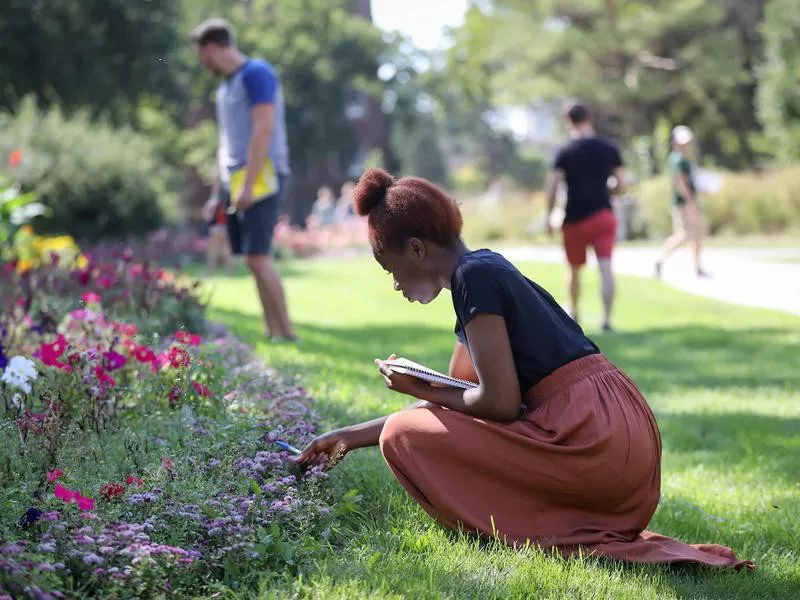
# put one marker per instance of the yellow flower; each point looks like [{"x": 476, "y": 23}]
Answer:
[
  {"x": 26, "y": 229},
  {"x": 81, "y": 262},
  {"x": 24, "y": 265}
]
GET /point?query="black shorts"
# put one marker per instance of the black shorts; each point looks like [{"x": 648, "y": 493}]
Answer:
[{"x": 250, "y": 232}]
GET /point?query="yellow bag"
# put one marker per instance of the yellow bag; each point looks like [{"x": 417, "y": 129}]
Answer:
[{"x": 265, "y": 185}]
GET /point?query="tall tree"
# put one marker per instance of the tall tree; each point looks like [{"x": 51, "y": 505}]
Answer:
[
  {"x": 102, "y": 54},
  {"x": 779, "y": 81},
  {"x": 638, "y": 61}
]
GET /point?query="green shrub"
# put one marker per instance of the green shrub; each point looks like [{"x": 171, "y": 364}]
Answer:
[
  {"x": 748, "y": 203},
  {"x": 99, "y": 182}
]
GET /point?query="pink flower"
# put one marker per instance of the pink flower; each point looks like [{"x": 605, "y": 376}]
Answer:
[
  {"x": 84, "y": 503},
  {"x": 54, "y": 474},
  {"x": 106, "y": 281},
  {"x": 144, "y": 354},
  {"x": 179, "y": 357},
  {"x": 20, "y": 302},
  {"x": 160, "y": 361},
  {"x": 81, "y": 315},
  {"x": 68, "y": 496},
  {"x": 91, "y": 298},
  {"x": 126, "y": 329},
  {"x": 63, "y": 493},
  {"x": 167, "y": 464},
  {"x": 191, "y": 339}
]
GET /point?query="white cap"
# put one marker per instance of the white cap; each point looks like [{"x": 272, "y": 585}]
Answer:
[{"x": 682, "y": 135}]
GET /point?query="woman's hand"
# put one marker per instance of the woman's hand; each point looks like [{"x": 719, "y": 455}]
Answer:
[
  {"x": 398, "y": 382},
  {"x": 327, "y": 450}
]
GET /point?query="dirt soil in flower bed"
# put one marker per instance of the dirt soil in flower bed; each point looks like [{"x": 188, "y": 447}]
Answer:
[{"x": 137, "y": 453}]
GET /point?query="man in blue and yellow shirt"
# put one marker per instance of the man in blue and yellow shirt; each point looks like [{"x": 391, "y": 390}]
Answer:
[{"x": 252, "y": 160}]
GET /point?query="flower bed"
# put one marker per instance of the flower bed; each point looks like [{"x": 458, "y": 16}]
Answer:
[{"x": 136, "y": 441}]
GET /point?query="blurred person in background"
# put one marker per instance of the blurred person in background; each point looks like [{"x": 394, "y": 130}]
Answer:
[
  {"x": 687, "y": 215},
  {"x": 344, "y": 206},
  {"x": 253, "y": 161},
  {"x": 588, "y": 164},
  {"x": 323, "y": 212}
]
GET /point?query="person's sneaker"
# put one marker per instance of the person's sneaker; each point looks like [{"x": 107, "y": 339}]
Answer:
[
  {"x": 607, "y": 328},
  {"x": 658, "y": 267},
  {"x": 703, "y": 274}
]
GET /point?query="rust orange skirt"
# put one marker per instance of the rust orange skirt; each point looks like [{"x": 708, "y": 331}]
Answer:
[{"x": 580, "y": 471}]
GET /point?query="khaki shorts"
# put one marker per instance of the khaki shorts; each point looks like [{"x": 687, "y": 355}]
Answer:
[{"x": 688, "y": 221}]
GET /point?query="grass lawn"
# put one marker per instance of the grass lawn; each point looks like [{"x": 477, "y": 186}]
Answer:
[{"x": 723, "y": 381}]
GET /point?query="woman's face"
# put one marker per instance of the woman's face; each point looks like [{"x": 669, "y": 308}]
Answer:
[{"x": 412, "y": 271}]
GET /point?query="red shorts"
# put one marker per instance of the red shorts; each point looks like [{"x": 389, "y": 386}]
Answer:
[{"x": 598, "y": 230}]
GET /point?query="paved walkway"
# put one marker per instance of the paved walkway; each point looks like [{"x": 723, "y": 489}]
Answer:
[{"x": 759, "y": 277}]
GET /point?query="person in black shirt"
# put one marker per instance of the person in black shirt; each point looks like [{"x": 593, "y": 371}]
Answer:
[
  {"x": 587, "y": 165},
  {"x": 554, "y": 446}
]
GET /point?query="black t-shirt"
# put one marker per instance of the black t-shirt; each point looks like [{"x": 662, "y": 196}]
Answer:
[
  {"x": 543, "y": 337},
  {"x": 587, "y": 164}
]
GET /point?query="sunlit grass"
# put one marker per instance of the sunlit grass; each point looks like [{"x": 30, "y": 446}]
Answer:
[{"x": 723, "y": 382}]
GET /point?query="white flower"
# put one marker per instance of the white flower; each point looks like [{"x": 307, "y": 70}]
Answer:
[
  {"x": 20, "y": 372},
  {"x": 16, "y": 400}
]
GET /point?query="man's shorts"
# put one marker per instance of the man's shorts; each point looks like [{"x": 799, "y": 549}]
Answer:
[
  {"x": 250, "y": 232},
  {"x": 598, "y": 230},
  {"x": 686, "y": 221}
]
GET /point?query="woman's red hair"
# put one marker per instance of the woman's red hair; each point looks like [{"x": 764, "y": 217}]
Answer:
[{"x": 398, "y": 210}]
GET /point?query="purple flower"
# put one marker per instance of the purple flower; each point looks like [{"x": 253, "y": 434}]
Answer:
[
  {"x": 114, "y": 360},
  {"x": 46, "y": 567},
  {"x": 93, "y": 559},
  {"x": 47, "y": 547}
]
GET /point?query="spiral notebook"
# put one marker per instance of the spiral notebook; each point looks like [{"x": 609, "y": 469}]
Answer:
[{"x": 407, "y": 367}]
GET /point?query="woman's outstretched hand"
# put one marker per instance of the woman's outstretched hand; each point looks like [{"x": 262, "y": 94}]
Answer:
[
  {"x": 326, "y": 450},
  {"x": 399, "y": 382}
]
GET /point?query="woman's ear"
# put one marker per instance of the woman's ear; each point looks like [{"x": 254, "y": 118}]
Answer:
[{"x": 416, "y": 248}]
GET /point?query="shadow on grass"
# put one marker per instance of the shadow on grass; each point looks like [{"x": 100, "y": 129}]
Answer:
[
  {"x": 660, "y": 360},
  {"x": 704, "y": 356},
  {"x": 735, "y": 441}
]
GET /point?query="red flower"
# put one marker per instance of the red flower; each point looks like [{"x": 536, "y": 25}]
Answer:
[
  {"x": 84, "y": 276},
  {"x": 167, "y": 464},
  {"x": 191, "y": 339},
  {"x": 103, "y": 377},
  {"x": 111, "y": 491},
  {"x": 91, "y": 298},
  {"x": 20, "y": 302},
  {"x": 174, "y": 396},
  {"x": 144, "y": 354},
  {"x": 201, "y": 389},
  {"x": 133, "y": 480},
  {"x": 179, "y": 357},
  {"x": 53, "y": 475},
  {"x": 50, "y": 353},
  {"x": 74, "y": 358},
  {"x": 107, "y": 281},
  {"x": 15, "y": 157}
]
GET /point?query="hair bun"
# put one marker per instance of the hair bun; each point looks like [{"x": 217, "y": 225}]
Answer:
[{"x": 371, "y": 190}]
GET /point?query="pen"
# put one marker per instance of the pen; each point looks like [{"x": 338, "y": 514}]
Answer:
[{"x": 288, "y": 447}]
